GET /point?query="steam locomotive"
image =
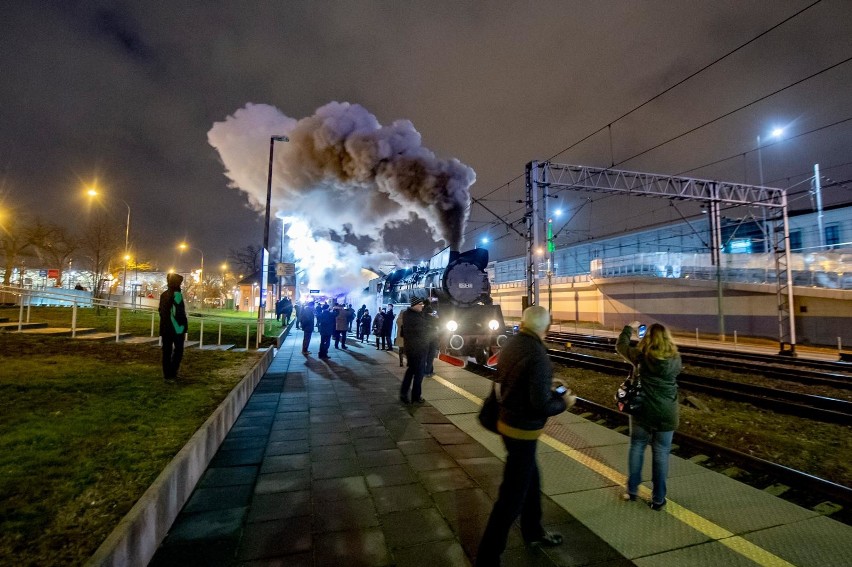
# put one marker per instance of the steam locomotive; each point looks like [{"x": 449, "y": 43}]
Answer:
[{"x": 456, "y": 284}]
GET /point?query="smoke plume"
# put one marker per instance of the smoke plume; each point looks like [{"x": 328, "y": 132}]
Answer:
[{"x": 343, "y": 179}]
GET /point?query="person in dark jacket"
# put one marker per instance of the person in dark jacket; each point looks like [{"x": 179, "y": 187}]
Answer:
[
  {"x": 287, "y": 311},
  {"x": 387, "y": 328},
  {"x": 525, "y": 392},
  {"x": 378, "y": 325},
  {"x": 298, "y": 309},
  {"x": 173, "y": 325},
  {"x": 416, "y": 335},
  {"x": 306, "y": 317},
  {"x": 358, "y": 315},
  {"x": 429, "y": 363},
  {"x": 658, "y": 364},
  {"x": 325, "y": 321},
  {"x": 364, "y": 323}
]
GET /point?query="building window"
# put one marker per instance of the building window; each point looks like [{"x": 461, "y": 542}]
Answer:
[
  {"x": 795, "y": 240},
  {"x": 832, "y": 235}
]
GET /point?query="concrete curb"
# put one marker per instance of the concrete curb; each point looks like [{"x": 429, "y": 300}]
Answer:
[{"x": 136, "y": 537}]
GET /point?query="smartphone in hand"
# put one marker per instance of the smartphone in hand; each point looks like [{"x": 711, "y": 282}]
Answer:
[{"x": 641, "y": 331}]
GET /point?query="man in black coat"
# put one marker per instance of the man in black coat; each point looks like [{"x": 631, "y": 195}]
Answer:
[
  {"x": 173, "y": 325},
  {"x": 527, "y": 399},
  {"x": 387, "y": 328},
  {"x": 325, "y": 321},
  {"x": 417, "y": 332},
  {"x": 306, "y": 317}
]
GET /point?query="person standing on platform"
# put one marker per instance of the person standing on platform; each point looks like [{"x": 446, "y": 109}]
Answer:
[
  {"x": 416, "y": 333},
  {"x": 298, "y": 309},
  {"x": 287, "y": 311},
  {"x": 399, "y": 341},
  {"x": 326, "y": 322},
  {"x": 340, "y": 326},
  {"x": 387, "y": 328},
  {"x": 306, "y": 318},
  {"x": 657, "y": 363},
  {"x": 173, "y": 325},
  {"x": 358, "y": 316},
  {"x": 527, "y": 399},
  {"x": 429, "y": 362},
  {"x": 279, "y": 309},
  {"x": 378, "y": 325},
  {"x": 350, "y": 317},
  {"x": 364, "y": 323}
]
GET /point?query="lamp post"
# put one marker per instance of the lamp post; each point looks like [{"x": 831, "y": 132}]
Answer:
[
  {"x": 776, "y": 133},
  {"x": 124, "y": 281},
  {"x": 185, "y": 246},
  {"x": 261, "y": 312},
  {"x": 93, "y": 192}
]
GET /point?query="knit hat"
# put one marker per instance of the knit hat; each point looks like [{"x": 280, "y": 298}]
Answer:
[{"x": 416, "y": 301}]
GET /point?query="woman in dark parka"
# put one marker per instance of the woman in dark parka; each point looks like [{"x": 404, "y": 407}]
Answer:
[{"x": 658, "y": 364}]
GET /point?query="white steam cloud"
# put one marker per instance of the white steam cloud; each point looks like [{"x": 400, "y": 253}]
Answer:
[{"x": 342, "y": 174}]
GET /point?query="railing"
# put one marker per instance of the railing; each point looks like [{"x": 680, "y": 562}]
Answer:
[
  {"x": 26, "y": 298},
  {"x": 830, "y": 270}
]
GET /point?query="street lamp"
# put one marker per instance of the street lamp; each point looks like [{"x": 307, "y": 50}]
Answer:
[
  {"x": 93, "y": 192},
  {"x": 124, "y": 281},
  {"x": 184, "y": 246},
  {"x": 224, "y": 268},
  {"x": 775, "y": 133},
  {"x": 261, "y": 312}
]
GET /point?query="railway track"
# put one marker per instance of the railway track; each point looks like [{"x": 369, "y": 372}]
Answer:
[
  {"x": 804, "y": 486},
  {"x": 806, "y": 372},
  {"x": 793, "y": 403}
]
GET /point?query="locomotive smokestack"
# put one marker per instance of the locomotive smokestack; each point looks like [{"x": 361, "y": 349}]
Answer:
[{"x": 454, "y": 255}]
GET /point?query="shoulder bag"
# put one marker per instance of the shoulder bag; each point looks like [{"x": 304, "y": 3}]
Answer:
[
  {"x": 629, "y": 396},
  {"x": 490, "y": 412}
]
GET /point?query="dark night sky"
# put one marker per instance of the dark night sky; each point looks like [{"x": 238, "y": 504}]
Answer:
[{"x": 127, "y": 92}]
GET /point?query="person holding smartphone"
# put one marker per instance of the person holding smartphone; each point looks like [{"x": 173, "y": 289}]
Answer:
[
  {"x": 527, "y": 399},
  {"x": 658, "y": 363}
]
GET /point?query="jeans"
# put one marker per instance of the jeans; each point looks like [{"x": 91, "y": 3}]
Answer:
[
  {"x": 520, "y": 494},
  {"x": 661, "y": 445}
]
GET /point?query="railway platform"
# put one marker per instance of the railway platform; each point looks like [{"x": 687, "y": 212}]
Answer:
[{"x": 325, "y": 466}]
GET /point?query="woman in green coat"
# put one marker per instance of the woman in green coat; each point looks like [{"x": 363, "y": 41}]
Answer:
[{"x": 658, "y": 364}]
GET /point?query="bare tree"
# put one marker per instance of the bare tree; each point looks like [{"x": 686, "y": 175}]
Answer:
[
  {"x": 246, "y": 259},
  {"x": 54, "y": 245},
  {"x": 100, "y": 241},
  {"x": 15, "y": 242}
]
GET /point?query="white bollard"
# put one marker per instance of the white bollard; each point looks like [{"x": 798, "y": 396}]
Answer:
[
  {"x": 117, "y": 322},
  {"x": 152, "y": 324},
  {"x": 248, "y": 334},
  {"x": 21, "y": 314},
  {"x": 201, "y": 335},
  {"x": 220, "y": 334},
  {"x": 74, "y": 319}
]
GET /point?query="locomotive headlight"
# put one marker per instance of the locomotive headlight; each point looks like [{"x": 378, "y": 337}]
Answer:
[
  {"x": 493, "y": 324},
  {"x": 452, "y": 326}
]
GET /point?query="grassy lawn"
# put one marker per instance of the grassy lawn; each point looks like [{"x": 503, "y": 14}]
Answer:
[
  {"x": 138, "y": 323},
  {"x": 84, "y": 430}
]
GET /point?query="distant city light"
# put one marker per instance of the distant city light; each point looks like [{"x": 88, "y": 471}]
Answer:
[
  {"x": 777, "y": 132},
  {"x": 558, "y": 212},
  {"x": 484, "y": 240}
]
